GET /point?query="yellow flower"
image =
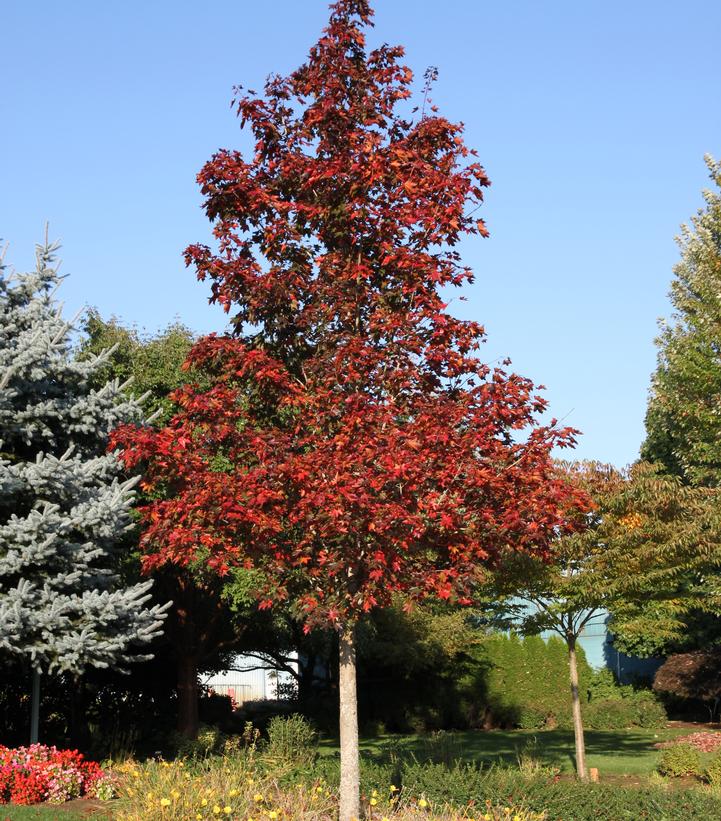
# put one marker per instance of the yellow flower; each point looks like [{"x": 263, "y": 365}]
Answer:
[
  {"x": 423, "y": 803},
  {"x": 217, "y": 810},
  {"x": 164, "y": 802},
  {"x": 136, "y": 774},
  {"x": 198, "y": 817},
  {"x": 233, "y": 793},
  {"x": 203, "y": 802},
  {"x": 175, "y": 794},
  {"x": 374, "y": 793},
  {"x": 393, "y": 788},
  {"x": 272, "y": 814},
  {"x": 373, "y": 802},
  {"x": 227, "y": 810},
  {"x": 319, "y": 789},
  {"x": 257, "y": 798},
  {"x": 487, "y": 817}
]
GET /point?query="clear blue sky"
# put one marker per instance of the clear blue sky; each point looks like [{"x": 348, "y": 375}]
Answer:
[{"x": 591, "y": 119}]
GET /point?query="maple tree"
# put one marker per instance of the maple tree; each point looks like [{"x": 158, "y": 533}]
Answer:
[{"x": 352, "y": 443}]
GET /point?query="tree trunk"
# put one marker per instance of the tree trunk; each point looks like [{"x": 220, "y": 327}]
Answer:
[
  {"x": 349, "y": 763},
  {"x": 576, "y": 708},
  {"x": 35, "y": 708},
  {"x": 188, "y": 696}
]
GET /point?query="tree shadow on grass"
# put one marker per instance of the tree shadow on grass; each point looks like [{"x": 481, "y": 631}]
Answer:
[{"x": 553, "y": 747}]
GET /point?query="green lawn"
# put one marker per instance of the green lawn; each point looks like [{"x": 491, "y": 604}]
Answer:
[
  {"x": 72, "y": 811},
  {"x": 618, "y": 752},
  {"x": 41, "y": 813}
]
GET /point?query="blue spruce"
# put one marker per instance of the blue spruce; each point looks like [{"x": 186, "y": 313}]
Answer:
[{"x": 64, "y": 505}]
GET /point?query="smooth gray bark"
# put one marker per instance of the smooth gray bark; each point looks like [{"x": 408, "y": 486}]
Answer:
[
  {"x": 577, "y": 718},
  {"x": 349, "y": 761}
]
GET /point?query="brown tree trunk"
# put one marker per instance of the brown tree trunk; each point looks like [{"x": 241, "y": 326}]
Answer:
[
  {"x": 349, "y": 762},
  {"x": 188, "y": 696},
  {"x": 576, "y": 708}
]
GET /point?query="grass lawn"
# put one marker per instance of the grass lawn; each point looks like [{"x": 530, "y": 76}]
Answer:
[
  {"x": 79, "y": 810},
  {"x": 40, "y": 813},
  {"x": 617, "y": 752}
]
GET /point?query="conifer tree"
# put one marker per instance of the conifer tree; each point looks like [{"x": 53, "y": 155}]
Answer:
[
  {"x": 682, "y": 422},
  {"x": 63, "y": 502}
]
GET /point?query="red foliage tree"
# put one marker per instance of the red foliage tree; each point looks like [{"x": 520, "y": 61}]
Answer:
[{"x": 352, "y": 441}]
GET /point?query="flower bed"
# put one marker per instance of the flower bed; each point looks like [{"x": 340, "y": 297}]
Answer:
[
  {"x": 705, "y": 742},
  {"x": 31, "y": 775},
  {"x": 238, "y": 789}
]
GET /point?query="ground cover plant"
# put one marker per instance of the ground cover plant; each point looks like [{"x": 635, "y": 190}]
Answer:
[{"x": 243, "y": 786}]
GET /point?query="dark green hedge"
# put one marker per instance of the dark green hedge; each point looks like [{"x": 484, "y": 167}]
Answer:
[{"x": 526, "y": 682}]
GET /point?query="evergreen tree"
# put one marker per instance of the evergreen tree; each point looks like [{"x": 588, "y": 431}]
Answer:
[
  {"x": 683, "y": 424},
  {"x": 63, "y": 502}
]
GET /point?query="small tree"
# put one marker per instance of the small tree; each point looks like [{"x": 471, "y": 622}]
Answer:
[
  {"x": 63, "y": 503},
  {"x": 353, "y": 443},
  {"x": 646, "y": 533}
]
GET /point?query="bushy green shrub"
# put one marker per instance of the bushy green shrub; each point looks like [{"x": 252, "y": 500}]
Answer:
[
  {"x": 612, "y": 706},
  {"x": 609, "y": 714},
  {"x": 602, "y": 684},
  {"x": 681, "y": 759},
  {"x": 532, "y": 718},
  {"x": 210, "y": 740},
  {"x": 292, "y": 740},
  {"x": 651, "y": 714}
]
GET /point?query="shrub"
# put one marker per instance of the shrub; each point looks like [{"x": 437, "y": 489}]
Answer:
[
  {"x": 682, "y": 759},
  {"x": 209, "y": 741},
  {"x": 628, "y": 708},
  {"x": 531, "y": 718},
  {"x": 602, "y": 684},
  {"x": 292, "y": 740},
  {"x": 610, "y": 714},
  {"x": 650, "y": 712}
]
